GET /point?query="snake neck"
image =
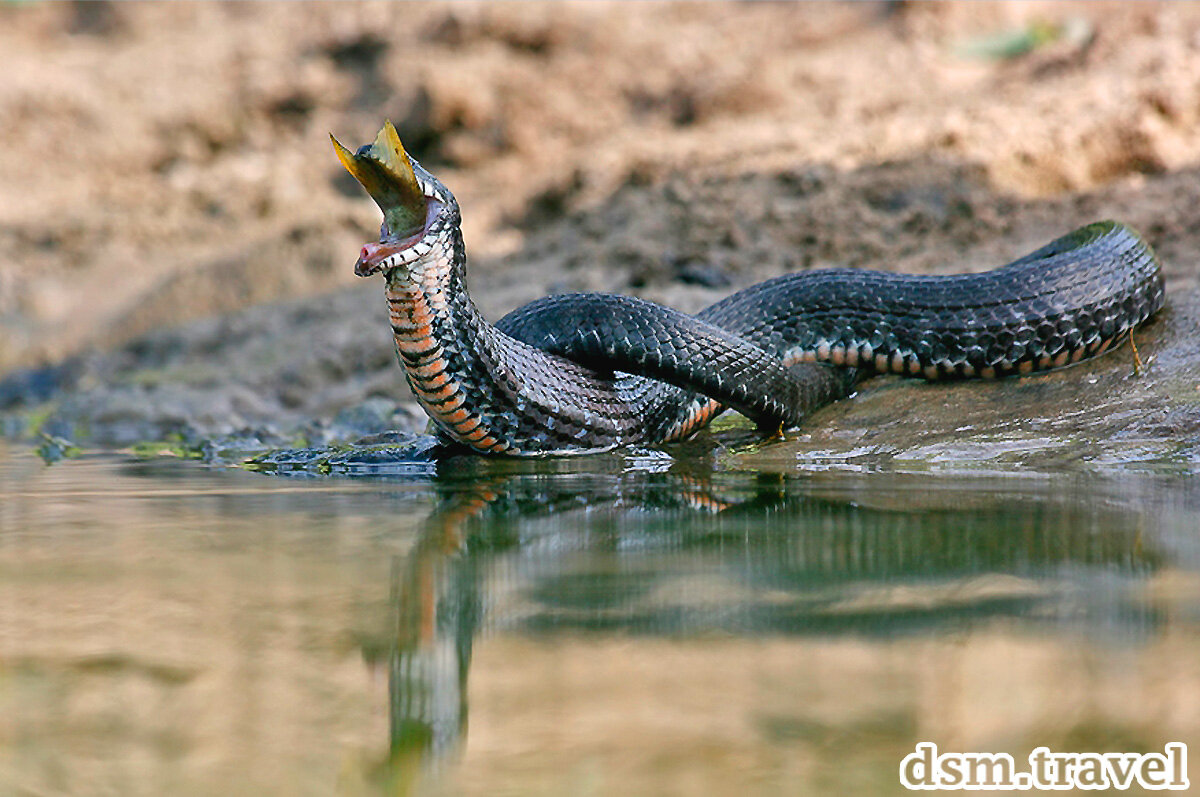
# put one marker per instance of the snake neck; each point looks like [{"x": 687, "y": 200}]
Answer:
[
  {"x": 435, "y": 325},
  {"x": 428, "y": 303},
  {"x": 483, "y": 388}
]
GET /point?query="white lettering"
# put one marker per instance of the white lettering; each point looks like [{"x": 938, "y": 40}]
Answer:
[{"x": 927, "y": 769}]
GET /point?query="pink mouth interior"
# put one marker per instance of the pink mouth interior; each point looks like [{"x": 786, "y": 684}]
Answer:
[{"x": 373, "y": 254}]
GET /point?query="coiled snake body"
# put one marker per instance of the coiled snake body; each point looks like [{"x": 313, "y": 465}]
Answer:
[{"x": 576, "y": 373}]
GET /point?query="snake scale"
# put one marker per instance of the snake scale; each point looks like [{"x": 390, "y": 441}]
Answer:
[{"x": 578, "y": 373}]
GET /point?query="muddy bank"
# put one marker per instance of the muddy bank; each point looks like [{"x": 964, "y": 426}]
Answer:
[
  {"x": 183, "y": 282},
  {"x": 191, "y": 175}
]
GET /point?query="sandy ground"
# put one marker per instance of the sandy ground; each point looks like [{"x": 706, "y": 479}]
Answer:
[{"x": 168, "y": 163}]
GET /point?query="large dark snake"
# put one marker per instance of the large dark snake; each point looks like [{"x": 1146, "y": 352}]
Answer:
[{"x": 576, "y": 373}]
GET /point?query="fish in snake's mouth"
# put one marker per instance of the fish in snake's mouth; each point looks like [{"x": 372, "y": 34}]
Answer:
[{"x": 409, "y": 208}]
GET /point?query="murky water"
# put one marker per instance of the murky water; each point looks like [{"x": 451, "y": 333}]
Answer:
[{"x": 608, "y": 625}]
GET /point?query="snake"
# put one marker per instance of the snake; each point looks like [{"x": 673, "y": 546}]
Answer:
[{"x": 577, "y": 373}]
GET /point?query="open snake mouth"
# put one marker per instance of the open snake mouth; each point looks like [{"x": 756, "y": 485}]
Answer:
[
  {"x": 409, "y": 205},
  {"x": 392, "y": 251}
]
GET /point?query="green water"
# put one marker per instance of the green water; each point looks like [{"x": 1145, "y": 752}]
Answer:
[{"x": 606, "y": 625}]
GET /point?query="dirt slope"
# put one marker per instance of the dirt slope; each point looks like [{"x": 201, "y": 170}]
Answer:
[{"x": 167, "y": 163}]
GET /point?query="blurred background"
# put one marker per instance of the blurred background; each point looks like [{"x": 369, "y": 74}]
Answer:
[
  {"x": 170, "y": 162},
  {"x": 991, "y": 566}
]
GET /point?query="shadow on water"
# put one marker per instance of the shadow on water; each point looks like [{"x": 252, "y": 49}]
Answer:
[{"x": 645, "y": 545}]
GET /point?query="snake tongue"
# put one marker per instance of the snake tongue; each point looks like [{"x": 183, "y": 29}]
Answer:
[{"x": 384, "y": 169}]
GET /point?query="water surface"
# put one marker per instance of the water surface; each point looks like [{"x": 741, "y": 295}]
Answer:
[{"x": 605, "y": 625}]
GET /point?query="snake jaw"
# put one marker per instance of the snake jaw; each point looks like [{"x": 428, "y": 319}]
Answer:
[
  {"x": 372, "y": 257},
  {"x": 392, "y": 252}
]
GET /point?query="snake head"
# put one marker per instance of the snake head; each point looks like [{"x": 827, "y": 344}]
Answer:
[{"x": 409, "y": 204}]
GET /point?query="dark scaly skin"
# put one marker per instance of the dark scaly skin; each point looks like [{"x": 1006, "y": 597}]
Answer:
[
  {"x": 542, "y": 380},
  {"x": 489, "y": 391},
  {"x": 481, "y": 388},
  {"x": 1074, "y": 298},
  {"x": 622, "y": 333}
]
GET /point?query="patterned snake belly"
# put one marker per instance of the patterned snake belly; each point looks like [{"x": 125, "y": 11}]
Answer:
[{"x": 577, "y": 373}]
